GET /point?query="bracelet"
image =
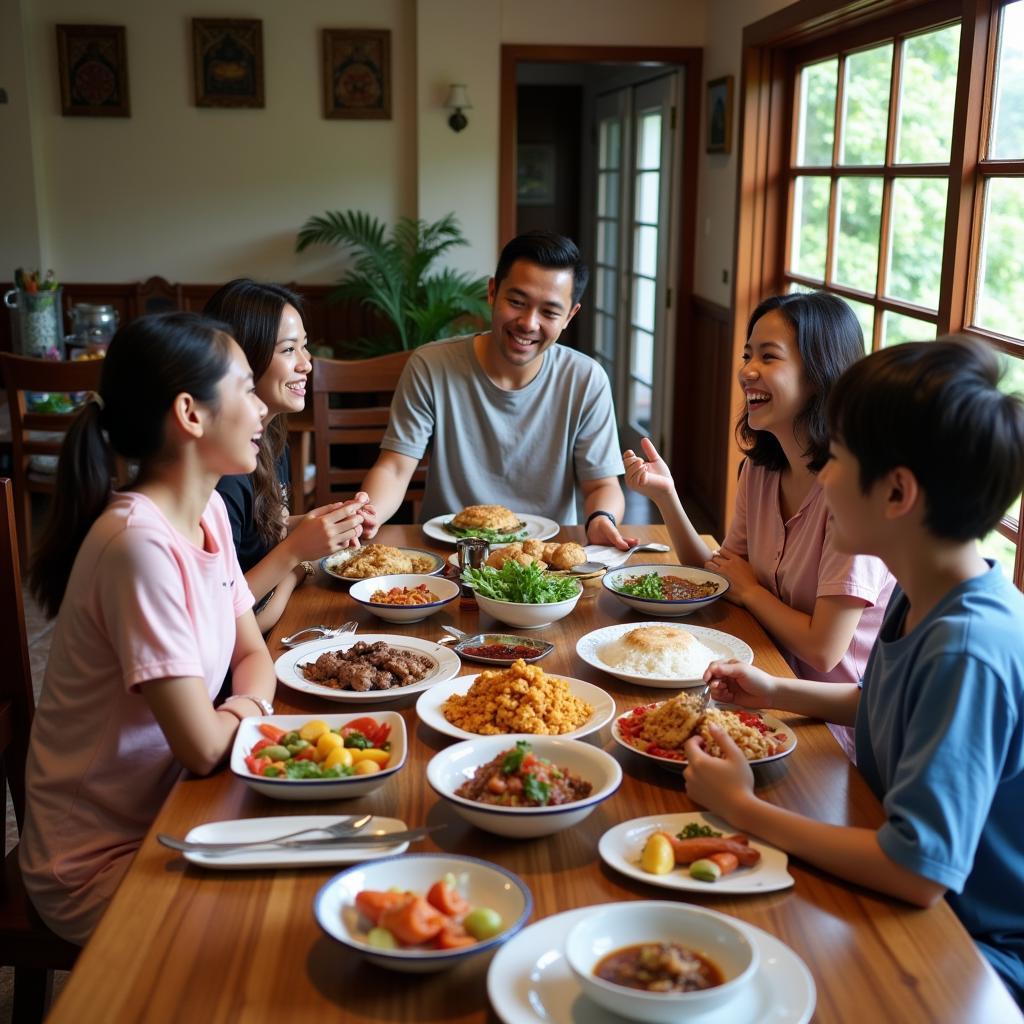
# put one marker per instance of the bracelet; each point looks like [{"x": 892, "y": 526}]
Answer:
[
  {"x": 594, "y": 515},
  {"x": 309, "y": 568},
  {"x": 266, "y": 708}
]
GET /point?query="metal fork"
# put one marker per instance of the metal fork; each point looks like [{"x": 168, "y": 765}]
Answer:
[
  {"x": 348, "y": 827},
  {"x": 321, "y": 633}
]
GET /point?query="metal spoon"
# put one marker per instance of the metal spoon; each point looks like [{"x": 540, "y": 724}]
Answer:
[{"x": 585, "y": 567}]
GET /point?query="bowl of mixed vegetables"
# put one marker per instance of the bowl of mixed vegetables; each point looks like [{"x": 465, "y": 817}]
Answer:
[
  {"x": 331, "y": 757},
  {"x": 670, "y": 590},
  {"x": 523, "y": 595},
  {"x": 423, "y": 912}
]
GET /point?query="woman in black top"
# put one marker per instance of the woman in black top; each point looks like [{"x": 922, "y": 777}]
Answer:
[{"x": 274, "y": 549}]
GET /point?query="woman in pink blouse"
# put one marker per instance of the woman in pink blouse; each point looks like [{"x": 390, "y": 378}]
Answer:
[
  {"x": 823, "y": 608},
  {"x": 152, "y": 609}
]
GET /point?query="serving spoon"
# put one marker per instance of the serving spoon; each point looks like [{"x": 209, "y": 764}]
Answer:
[{"x": 585, "y": 567}]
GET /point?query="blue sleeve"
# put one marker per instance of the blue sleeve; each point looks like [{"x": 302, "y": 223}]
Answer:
[
  {"x": 955, "y": 745},
  {"x": 411, "y": 423}
]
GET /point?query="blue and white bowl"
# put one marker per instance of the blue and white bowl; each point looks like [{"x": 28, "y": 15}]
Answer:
[
  {"x": 614, "y": 578},
  {"x": 446, "y": 592},
  {"x": 454, "y": 765},
  {"x": 481, "y": 883}
]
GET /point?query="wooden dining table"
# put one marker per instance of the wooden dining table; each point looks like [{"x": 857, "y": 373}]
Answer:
[{"x": 185, "y": 943}]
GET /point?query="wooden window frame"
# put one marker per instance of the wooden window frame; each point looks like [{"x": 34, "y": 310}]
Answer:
[{"x": 772, "y": 49}]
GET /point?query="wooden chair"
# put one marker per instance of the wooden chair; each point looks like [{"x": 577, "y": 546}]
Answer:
[
  {"x": 364, "y": 388},
  {"x": 155, "y": 295},
  {"x": 26, "y": 944},
  {"x": 36, "y": 433}
]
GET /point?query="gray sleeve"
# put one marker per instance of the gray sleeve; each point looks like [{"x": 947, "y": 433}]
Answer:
[
  {"x": 411, "y": 423},
  {"x": 596, "y": 450}
]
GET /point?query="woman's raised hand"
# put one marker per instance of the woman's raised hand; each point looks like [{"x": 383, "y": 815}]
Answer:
[
  {"x": 651, "y": 478},
  {"x": 734, "y": 682},
  {"x": 327, "y": 529}
]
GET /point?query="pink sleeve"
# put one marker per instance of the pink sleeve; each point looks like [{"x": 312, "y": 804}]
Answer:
[
  {"x": 221, "y": 525},
  {"x": 843, "y": 575},
  {"x": 736, "y": 537},
  {"x": 141, "y": 590}
]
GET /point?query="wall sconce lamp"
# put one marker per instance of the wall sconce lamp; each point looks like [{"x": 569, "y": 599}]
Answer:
[{"x": 457, "y": 102}]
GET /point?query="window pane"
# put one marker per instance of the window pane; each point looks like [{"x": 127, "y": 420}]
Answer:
[
  {"x": 866, "y": 316},
  {"x": 604, "y": 335},
  {"x": 1012, "y": 381},
  {"x": 1008, "y": 117},
  {"x": 605, "y": 297},
  {"x": 816, "y": 127},
  {"x": 643, "y": 303},
  {"x": 607, "y": 242},
  {"x": 915, "y": 254},
  {"x": 866, "y": 106},
  {"x": 608, "y": 194},
  {"x": 640, "y": 405},
  {"x": 897, "y": 328},
  {"x": 1000, "y": 305},
  {"x": 810, "y": 226},
  {"x": 1004, "y": 551},
  {"x": 856, "y": 243},
  {"x": 927, "y": 91},
  {"x": 645, "y": 253},
  {"x": 609, "y": 144},
  {"x": 647, "y": 197},
  {"x": 648, "y": 156},
  {"x": 642, "y": 363}
]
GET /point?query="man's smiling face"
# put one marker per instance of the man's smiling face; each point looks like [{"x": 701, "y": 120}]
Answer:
[{"x": 529, "y": 311}]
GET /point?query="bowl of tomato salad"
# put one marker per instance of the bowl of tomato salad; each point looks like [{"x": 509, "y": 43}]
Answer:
[
  {"x": 325, "y": 757},
  {"x": 423, "y": 912}
]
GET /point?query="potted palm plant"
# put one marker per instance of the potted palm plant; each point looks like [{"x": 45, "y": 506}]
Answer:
[{"x": 392, "y": 274}]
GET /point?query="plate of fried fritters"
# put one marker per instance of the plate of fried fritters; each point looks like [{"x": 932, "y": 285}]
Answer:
[{"x": 548, "y": 554}]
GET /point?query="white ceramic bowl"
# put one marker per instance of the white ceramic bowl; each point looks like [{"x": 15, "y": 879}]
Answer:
[
  {"x": 614, "y": 926},
  {"x": 481, "y": 883},
  {"x": 362, "y": 590},
  {"x": 451, "y": 767},
  {"x": 528, "y": 616},
  {"x": 316, "y": 789},
  {"x": 656, "y": 606}
]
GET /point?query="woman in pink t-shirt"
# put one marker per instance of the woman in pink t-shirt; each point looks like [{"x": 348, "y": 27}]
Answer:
[
  {"x": 823, "y": 608},
  {"x": 152, "y": 609}
]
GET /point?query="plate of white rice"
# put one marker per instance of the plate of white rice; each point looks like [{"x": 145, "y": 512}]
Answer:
[{"x": 658, "y": 654}]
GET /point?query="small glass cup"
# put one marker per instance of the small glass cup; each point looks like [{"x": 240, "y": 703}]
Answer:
[{"x": 473, "y": 552}]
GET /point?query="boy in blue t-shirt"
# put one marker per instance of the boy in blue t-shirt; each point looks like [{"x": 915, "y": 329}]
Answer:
[{"x": 926, "y": 456}]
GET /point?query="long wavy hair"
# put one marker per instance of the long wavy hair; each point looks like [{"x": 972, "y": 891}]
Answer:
[
  {"x": 829, "y": 339},
  {"x": 253, "y": 311},
  {"x": 149, "y": 363}
]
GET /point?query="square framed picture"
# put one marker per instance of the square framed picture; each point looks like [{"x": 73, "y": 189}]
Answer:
[
  {"x": 720, "y": 115},
  {"x": 93, "y": 65},
  {"x": 535, "y": 174},
  {"x": 228, "y": 62},
  {"x": 357, "y": 73}
]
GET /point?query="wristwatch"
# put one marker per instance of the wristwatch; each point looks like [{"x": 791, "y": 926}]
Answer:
[
  {"x": 595, "y": 514},
  {"x": 264, "y": 705}
]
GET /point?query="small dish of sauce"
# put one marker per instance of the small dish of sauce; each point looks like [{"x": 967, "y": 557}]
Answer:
[
  {"x": 501, "y": 648},
  {"x": 659, "y": 967}
]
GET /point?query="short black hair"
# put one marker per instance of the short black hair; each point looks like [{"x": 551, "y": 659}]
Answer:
[
  {"x": 546, "y": 249},
  {"x": 935, "y": 408},
  {"x": 829, "y": 339}
]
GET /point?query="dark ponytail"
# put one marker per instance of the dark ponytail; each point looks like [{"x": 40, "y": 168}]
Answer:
[{"x": 150, "y": 362}]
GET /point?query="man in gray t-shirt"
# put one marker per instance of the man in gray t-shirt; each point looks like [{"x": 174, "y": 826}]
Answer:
[{"x": 508, "y": 416}]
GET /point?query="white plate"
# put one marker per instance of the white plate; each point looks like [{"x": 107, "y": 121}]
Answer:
[
  {"x": 725, "y": 645},
  {"x": 428, "y": 707},
  {"x": 678, "y": 764},
  {"x": 334, "y": 565},
  {"x": 620, "y": 848},
  {"x": 537, "y": 527},
  {"x": 250, "y": 830},
  {"x": 446, "y": 664},
  {"x": 529, "y": 982}
]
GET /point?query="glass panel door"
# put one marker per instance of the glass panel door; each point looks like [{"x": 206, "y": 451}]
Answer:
[{"x": 611, "y": 126}]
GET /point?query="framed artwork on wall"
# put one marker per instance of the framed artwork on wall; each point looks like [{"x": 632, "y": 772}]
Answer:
[
  {"x": 535, "y": 174},
  {"x": 357, "y": 73},
  {"x": 228, "y": 62},
  {"x": 720, "y": 115},
  {"x": 92, "y": 61}
]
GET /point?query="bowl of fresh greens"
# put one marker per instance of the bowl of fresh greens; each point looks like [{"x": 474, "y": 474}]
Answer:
[
  {"x": 523, "y": 595},
  {"x": 670, "y": 590}
]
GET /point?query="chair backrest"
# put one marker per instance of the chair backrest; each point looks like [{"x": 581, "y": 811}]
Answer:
[
  {"x": 356, "y": 420},
  {"x": 17, "y": 703},
  {"x": 39, "y": 432},
  {"x": 156, "y": 295}
]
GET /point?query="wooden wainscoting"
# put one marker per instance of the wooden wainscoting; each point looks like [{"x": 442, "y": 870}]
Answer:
[{"x": 704, "y": 416}]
